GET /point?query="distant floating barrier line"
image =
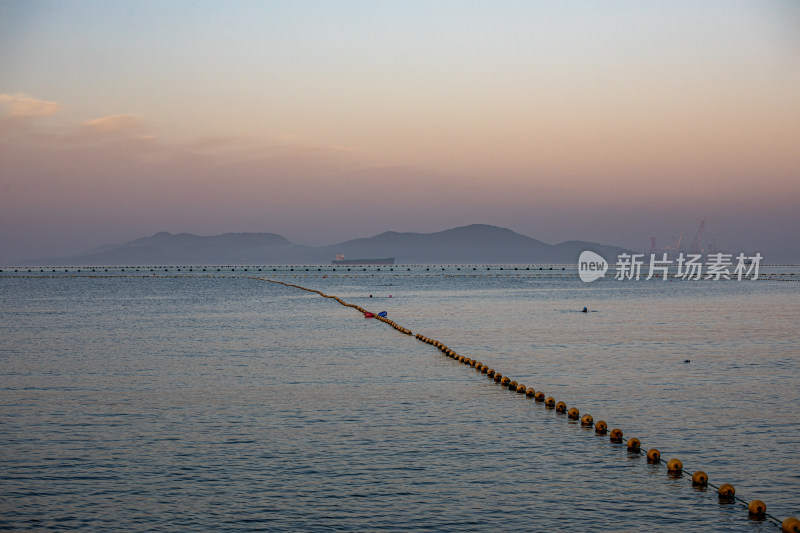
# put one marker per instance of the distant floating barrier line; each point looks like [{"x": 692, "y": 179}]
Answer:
[{"x": 757, "y": 509}]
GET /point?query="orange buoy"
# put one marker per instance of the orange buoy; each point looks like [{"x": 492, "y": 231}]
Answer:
[
  {"x": 561, "y": 407},
  {"x": 521, "y": 389},
  {"x": 653, "y": 455},
  {"x": 573, "y": 413},
  {"x": 512, "y": 385},
  {"x": 490, "y": 372},
  {"x": 539, "y": 396},
  {"x": 550, "y": 402},
  {"x": 675, "y": 466},
  {"x": 616, "y": 435},
  {"x": 634, "y": 445},
  {"x": 726, "y": 491},
  {"x": 505, "y": 381},
  {"x": 587, "y": 420},
  {"x": 790, "y": 525},
  {"x": 757, "y": 508},
  {"x": 700, "y": 479},
  {"x": 530, "y": 392},
  {"x": 600, "y": 428}
]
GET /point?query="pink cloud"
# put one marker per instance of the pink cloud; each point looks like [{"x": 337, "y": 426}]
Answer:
[
  {"x": 126, "y": 124},
  {"x": 23, "y": 106}
]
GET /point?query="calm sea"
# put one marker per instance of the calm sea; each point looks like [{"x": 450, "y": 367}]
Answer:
[{"x": 156, "y": 399}]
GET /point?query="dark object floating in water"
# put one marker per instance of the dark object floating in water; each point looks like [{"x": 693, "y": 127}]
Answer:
[
  {"x": 585, "y": 310},
  {"x": 687, "y": 360},
  {"x": 368, "y": 315},
  {"x": 383, "y": 314}
]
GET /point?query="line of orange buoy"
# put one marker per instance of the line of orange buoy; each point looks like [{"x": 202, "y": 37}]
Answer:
[
  {"x": 363, "y": 311},
  {"x": 727, "y": 494}
]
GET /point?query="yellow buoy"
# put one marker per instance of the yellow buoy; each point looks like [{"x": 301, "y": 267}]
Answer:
[
  {"x": 726, "y": 490},
  {"x": 573, "y": 413},
  {"x": 653, "y": 455},
  {"x": 587, "y": 420},
  {"x": 791, "y": 525},
  {"x": 675, "y": 466},
  {"x": 530, "y": 392},
  {"x": 484, "y": 369},
  {"x": 521, "y": 389},
  {"x": 634, "y": 445},
  {"x": 539, "y": 396},
  {"x": 512, "y": 385},
  {"x": 700, "y": 479},
  {"x": 505, "y": 381},
  {"x": 616, "y": 435},
  {"x": 601, "y": 427},
  {"x": 490, "y": 372},
  {"x": 550, "y": 402},
  {"x": 757, "y": 508},
  {"x": 461, "y": 358},
  {"x": 561, "y": 407}
]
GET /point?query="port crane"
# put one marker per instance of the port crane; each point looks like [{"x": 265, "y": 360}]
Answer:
[{"x": 677, "y": 245}]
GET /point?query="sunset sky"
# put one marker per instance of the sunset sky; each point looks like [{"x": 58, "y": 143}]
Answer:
[{"x": 328, "y": 120}]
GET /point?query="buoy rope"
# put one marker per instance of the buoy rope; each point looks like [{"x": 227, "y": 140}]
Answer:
[
  {"x": 363, "y": 311},
  {"x": 634, "y": 445}
]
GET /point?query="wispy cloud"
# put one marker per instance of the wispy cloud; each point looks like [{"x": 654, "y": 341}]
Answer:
[
  {"x": 125, "y": 124},
  {"x": 23, "y": 106}
]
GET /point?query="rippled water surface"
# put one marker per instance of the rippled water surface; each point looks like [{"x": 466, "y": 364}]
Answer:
[{"x": 210, "y": 401}]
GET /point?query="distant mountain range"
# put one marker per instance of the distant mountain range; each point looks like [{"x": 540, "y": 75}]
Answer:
[{"x": 473, "y": 244}]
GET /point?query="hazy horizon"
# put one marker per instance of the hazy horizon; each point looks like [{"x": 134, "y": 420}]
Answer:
[{"x": 608, "y": 122}]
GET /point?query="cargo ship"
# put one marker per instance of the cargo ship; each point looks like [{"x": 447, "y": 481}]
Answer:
[{"x": 340, "y": 259}]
